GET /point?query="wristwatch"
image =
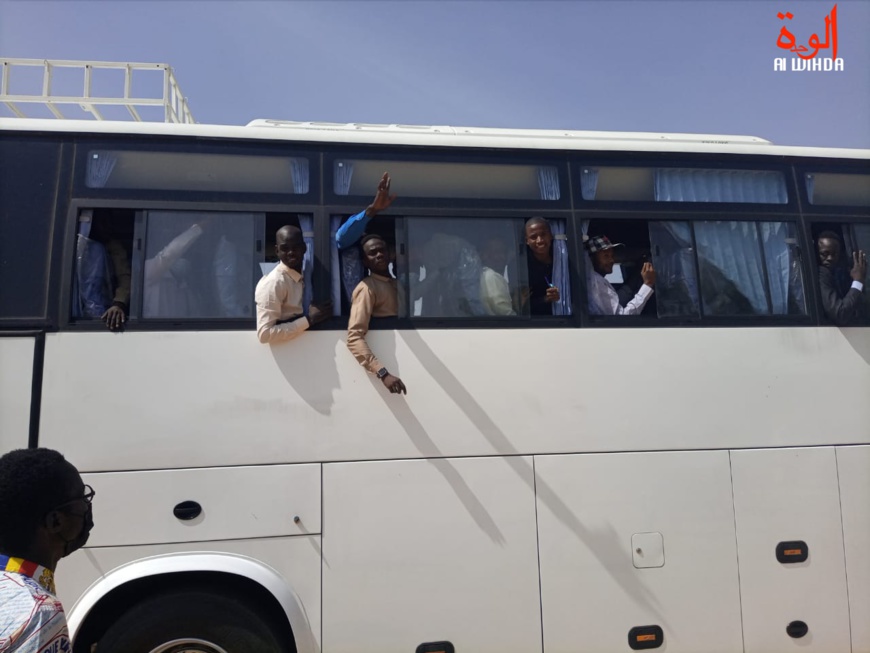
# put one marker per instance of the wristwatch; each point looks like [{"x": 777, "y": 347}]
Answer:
[{"x": 382, "y": 373}]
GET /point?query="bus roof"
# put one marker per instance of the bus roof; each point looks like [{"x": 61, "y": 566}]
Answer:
[{"x": 441, "y": 136}]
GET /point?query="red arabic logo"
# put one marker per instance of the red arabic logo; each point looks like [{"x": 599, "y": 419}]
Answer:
[{"x": 787, "y": 41}]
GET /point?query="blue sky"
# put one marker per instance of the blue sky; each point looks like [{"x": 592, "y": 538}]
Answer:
[{"x": 625, "y": 65}]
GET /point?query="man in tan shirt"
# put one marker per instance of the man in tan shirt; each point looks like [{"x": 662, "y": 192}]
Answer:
[
  {"x": 375, "y": 296},
  {"x": 279, "y": 294}
]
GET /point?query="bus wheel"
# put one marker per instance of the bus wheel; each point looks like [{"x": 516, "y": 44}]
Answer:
[{"x": 191, "y": 621}]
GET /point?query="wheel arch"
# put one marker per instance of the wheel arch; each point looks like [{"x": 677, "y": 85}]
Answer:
[{"x": 119, "y": 589}]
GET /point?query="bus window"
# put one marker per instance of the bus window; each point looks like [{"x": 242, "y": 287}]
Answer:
[
  {"x": 199, "y": 265},
  {"x": 830, "y": 189},
  {"x": 673, "y": 256},
  {"x": 187, "y": 171},
  {"x": 616, "y": 252},
  {"x": 709, "y": 268},
  {"x": 749, "y": 268},
  {"x": 464, "y": 268},
  {"x": 844, "y": 293},
  {"x": 682, "y": 185},
  {"x": 28, "y": 191},
  {"x": 449, "y": 180},
  {"x": 102, "y": 279},
  {"x": 346, "y": 264}
]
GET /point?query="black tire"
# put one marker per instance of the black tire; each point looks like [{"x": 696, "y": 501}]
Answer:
[{"x": 194, "y": 616}]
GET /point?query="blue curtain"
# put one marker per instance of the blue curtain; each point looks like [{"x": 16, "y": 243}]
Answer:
[
  {"x": 299, "y": 170},
  {"x": 343, "y": 173},
  {"x": 561, "y": 269},
  {"x": 100, "y": 166},
  {"x": 589, "y": 183},
  {"x": 548, "y": 183},
  {"x": 779, "y": 240},
  {"x": 698, "y": 185},
  {"x": 732, "y": 276},
  {"x": 347, "y": 266},
  {"x": 306, "y": 223},
  {"x": 335, "y": 281},
  {"x": 674, "y": 261}
]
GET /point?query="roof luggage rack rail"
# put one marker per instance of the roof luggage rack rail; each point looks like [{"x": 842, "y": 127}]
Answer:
[{"x": 175, "y": 108}]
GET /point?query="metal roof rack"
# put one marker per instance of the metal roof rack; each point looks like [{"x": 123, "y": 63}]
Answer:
[{"x": 175, "y": 109}]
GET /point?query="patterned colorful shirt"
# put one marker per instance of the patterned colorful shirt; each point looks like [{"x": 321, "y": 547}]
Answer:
[{"x": 31, "y": 616}]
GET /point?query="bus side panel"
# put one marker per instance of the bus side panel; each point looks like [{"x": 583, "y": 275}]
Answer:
[
  {"x": 425, "y": 551},
  {"x": 790, "y": 496},
  {"x": 264, "y": 501},
  {"x": 853, "y": 465},
  {"x": 220, "y": 398},
  {"x": 297, "y": 559},
  {"x": 16, "y": 374},
  {"x": 638, "y": 539}
]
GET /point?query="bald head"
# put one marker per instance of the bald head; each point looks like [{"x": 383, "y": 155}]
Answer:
[{"x": 290, "y": 247}]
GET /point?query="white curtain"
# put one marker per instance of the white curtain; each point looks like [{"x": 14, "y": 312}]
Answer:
[
  {"x": 299, "y": 170},
  {"x": 306, "y": 223},
  {"x": 674, "y": 261},
  {"x": 588, "y": 183},
  {"x": 561, "y": 268},
  {"x": 732, "y": 276},
  {"x": 548, "y": 183},
  {"x": 699, "y": 185},
  {"x": 343, "y": 174}
]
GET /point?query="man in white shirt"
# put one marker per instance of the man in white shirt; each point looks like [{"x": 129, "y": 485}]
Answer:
[
  {"x": 494, "y": 290},
  {"x": 603, "y": 299},
  {"x": 280, "y": 314},
  {"x": 45, "y": 514}
]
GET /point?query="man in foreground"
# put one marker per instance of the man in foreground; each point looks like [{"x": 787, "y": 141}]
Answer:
[{"x": 45, "y": 514}]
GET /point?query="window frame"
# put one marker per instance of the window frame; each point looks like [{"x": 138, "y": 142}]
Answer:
[
  {"x": 84, "y": 145},
  {"x": 339, "y": 322},
  {"x": 816, "y": 290},
  {"x": 653, "y": 321},
  {"x": 811, "y": 211},
  {"x": 134, "y": 320},
  {"x": 701, "y": 161},
  {"x": 452, "y": 155}
]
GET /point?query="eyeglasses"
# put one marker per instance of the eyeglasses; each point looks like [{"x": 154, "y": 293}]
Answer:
[{"x": 87, "y": 497}]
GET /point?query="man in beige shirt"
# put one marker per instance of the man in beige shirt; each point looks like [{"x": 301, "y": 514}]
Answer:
[
  {"x": 375, "y": 296},
  {"x": 279, "y": 294}
]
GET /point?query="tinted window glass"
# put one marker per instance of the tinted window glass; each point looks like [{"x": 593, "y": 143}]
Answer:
[
  {"x": 838, "y": 189},
  {"x": 683, "y": 185},
  {"x": 461, "y": 268},
  {"x": 199, "y": 265},
  {"x": 196, "y": 172},
  {"x": 674, "y": 261},
  {"x": 28, "y": 187},
  {"x": 457, "y": 180},
  {"x": 749, "y": 268}
]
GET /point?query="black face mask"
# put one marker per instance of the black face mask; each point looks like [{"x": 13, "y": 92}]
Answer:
[{"x": 82, "y": 538}]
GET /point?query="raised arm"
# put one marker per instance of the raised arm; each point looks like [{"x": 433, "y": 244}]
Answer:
[
  {"x": 842, "y": 311},
  {"x": 351, "y": 231}
]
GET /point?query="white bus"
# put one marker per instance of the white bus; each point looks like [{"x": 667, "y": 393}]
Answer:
[{"x": 693, "y": 478}]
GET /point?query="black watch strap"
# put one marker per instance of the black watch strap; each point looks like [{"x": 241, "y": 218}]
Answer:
[{"x": 382, "y": 372}]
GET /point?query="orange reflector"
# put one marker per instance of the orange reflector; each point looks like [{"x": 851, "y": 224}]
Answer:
[
  {"x": 646, "y": 638},
  {"x": 792, "y": 552}
]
